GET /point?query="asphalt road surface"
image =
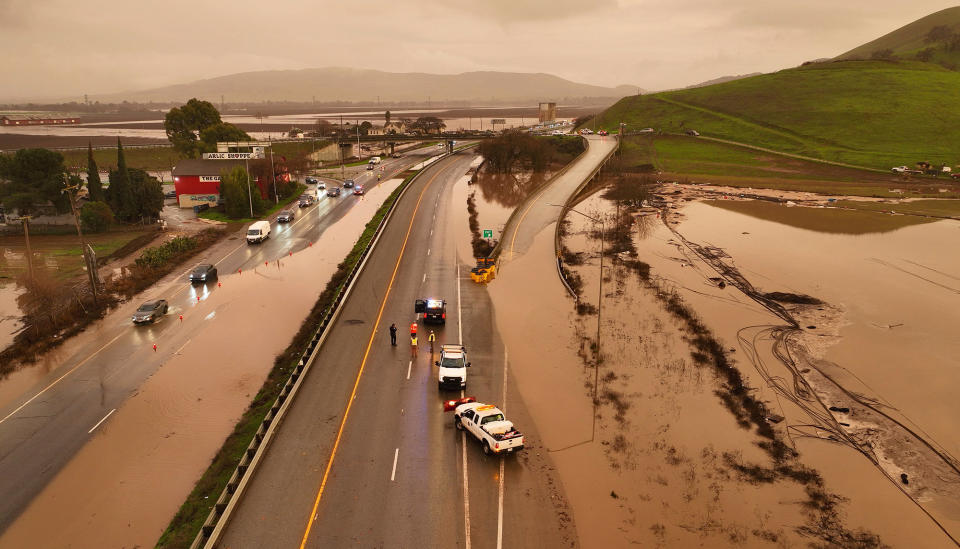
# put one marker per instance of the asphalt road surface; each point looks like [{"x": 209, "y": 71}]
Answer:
[
  {"x": 366, "y": 456},
  {"x": 50, "y": 422}
]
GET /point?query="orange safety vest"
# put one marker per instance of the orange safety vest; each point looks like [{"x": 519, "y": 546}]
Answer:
[{"x": 413, "y": 328}]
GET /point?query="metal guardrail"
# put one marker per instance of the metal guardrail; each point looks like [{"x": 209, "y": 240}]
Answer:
[
  {"x": 566, "y": 205},
  {"x": 220, "y": 515}
]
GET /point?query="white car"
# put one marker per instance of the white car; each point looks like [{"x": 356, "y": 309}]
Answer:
[
  {"x": 487, "y": 424},
  {"x": 452, "y": 367},
  {"x": 899, "y": 169}
]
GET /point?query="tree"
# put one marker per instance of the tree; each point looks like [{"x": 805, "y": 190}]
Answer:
[
  {"x": 237, "y": 200},
  {"x": 940, "y": 33},
  {"x": 386, "y": 118},
  {"x": 428, "y": 124},
  {"x": 120, "y": 194},
  {"x": 365, "y": 127},
  {"x": 926, "y": 54},
  {"x": 184, "y": 125},
  {"x": 294, "y": 132},
  {"x": 96, "y": 216},
  {"x": 147, "y": 194},
  {"x": 220, "y": 131},
  {"x": 33, "y": 177},
  {"x": 884, "y": 55},
  {"x": 93, "y": 177},
  {"x": 323, "y": 127}
]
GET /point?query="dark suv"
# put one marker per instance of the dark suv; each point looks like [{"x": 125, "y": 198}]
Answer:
[
  {"x": 204, "y": 272},
  {"x": 433, "y": 310},
  {"x": 348, "y": 184}
]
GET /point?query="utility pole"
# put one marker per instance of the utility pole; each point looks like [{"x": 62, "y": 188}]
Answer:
[
  {"x": 359, "y": 150},
  {"x": 26, "y": 236},
  {"x": 273, "y": 173},
  {"x": 343, "y": 174},
  {"x": 246, "y": 163},
  {"x": 91, "y": 262}
]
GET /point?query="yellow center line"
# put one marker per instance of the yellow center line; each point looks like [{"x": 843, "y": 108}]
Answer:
[{"x": 356, "y": 383}]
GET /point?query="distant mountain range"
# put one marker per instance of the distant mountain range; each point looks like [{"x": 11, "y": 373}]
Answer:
[{"x": 345, "y": 84}]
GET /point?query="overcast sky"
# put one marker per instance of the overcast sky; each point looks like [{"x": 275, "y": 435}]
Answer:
[{"x": 65, "y": 48}]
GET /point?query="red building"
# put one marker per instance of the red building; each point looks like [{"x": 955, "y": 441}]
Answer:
[{"x": 198, "y": 181}]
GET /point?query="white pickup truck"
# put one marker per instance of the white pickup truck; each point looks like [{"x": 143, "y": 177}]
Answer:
[
  {"x": 487, "y": 423},
  {"x": 453, "y": 366}
]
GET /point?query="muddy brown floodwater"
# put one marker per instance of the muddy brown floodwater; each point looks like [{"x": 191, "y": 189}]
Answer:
[
  {"x": 124, "y": 485},
  {"x": 863, "y": 386}
]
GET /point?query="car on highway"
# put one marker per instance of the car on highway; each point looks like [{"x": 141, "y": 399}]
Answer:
[
  {"x": 452, "y": 366},
  {"x": 306, "y": 200},
  {"x": 321, "y": 185},
  {"x": 349, "y": 183},
  {"x": 285, "y": 216},
  {"x": 203, "y": 272},
  {"x": 369, "y": 167},
  {"x": 396, "y": 155},
  {"x": 170, "y": 194},
  {"x": 333, "y": 191},
  {"x": 433, "y": 310},
  {"x": 693, "y": 133},
  {"x": 150, "y": 311},
  {"x": 602, "y": 132},
  {"x": 258, "y": 231},
  {"x": 311, "y": 180},
  {"x": 486, "y": 423},
  {"x": 647, "y": 130},
  {"x": 358, "y": 190}
]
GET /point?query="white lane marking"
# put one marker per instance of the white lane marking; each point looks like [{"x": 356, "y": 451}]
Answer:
[
  {"x": 181, "y": 347},
  {"x": 428, "y": 251},
  {"x": 459, "y": 319},
  {"x": 48, "y": 387},
  {"x": 409, "y": 366},
  {"x": 110, "y": 413},
  {"x": 466, "y": 489},
  {"x": 424, "y": 278},
  {"x": 393, "y": 473},
  {"x": 500, "y": 509},
  {"x": 431, "y": 232},
  {"x": 503, "y": 401}
]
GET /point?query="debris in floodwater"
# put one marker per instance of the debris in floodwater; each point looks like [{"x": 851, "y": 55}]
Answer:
[
  {"x": 774, "y": 418},
  {"x": 838, "y": 409},
  {"x": 844, "y": 424},
  {"x": 786, "y": 297},
  {"x": 811, "y": 327},
  {"x": 613, "y": 494},
  {"x": 904, "y": 479}
]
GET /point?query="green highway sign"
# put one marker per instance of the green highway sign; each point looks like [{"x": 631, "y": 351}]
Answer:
[{"x": 487, "y": 233}]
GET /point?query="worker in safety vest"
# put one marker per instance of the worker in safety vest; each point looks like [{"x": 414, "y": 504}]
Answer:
[
  {"x": 432, "y": 338},
  {"x": 413, "y": 329}
]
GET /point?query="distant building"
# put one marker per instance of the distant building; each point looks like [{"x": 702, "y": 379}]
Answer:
[
  {"x": 7, "y": 121},
  {"x": 548, "y": 112}
]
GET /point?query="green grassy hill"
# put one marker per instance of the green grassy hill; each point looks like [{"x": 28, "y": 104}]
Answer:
[
  {"x": 874, "y": 114},
  {"x": 908, "y": 41}
]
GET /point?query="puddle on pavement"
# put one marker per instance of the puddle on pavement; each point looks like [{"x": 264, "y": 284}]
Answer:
[{"x": 108, "y": 495}]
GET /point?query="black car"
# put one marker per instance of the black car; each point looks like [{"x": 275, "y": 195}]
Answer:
[
  {"x": 285, "y": 216},
  {"x": 150, "y": 311},
  {"x": 333, "y": 191},
  {"x": 348, "y": 184},
  {"x": 307, "y": 200},
  {"x": 204, "y": 272},
  {"x": 433, "y": 310},
  {"x": 170, "y": 194},
  {"x": 310, "y": 179}
]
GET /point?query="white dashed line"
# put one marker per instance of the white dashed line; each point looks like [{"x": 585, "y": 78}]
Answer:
[
  {"x": 393, "y": 473},
  {"x": 409, "y": 367},
  {"x": 110, "y": 413}
]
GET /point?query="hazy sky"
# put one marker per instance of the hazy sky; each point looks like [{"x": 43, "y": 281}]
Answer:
[{"x": 65, "y": 48}]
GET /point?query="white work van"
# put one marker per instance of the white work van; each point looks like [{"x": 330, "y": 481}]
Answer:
[
  {"x": 375, "y": 160},
  {"x": 258, "y": 232}
]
